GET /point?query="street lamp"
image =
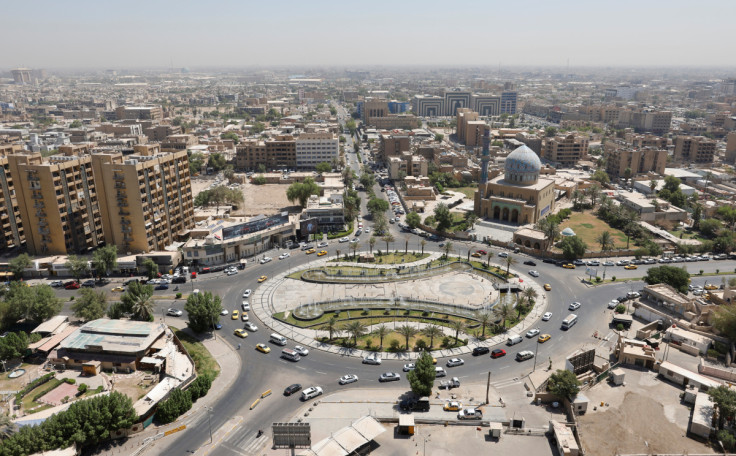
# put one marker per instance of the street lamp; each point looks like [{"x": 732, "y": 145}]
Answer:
[
  {"x": 209, "y": 419},
  {"x": 536, "y": 351}
]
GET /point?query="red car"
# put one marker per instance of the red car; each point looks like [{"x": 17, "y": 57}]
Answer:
[
  {"x": 497, "y": 353},
  {"x": 71, "y": 285},
  {"x": 482, "y": 252}
]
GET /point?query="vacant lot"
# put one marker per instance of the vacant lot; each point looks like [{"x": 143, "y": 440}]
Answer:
[
  {"x": 265, "y": 199},
  {"x": 588, "y": 227}
]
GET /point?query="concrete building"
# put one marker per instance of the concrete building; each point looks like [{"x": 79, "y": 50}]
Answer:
[
  {"x": 328, "y": 211},
  {"x": 11, "y": 235},
  {"x": 657, "y": 122},
  {"x": 173, "y": 143},
  {"x": 456, "y": 99},
  {"x": 407, "y": 164},
  {"x": 694, "y": 149},
  {"x": 486, "y": 104},
  {"x": 469, "y": 129},
  {"x": 731, "y": 148},
  {"x": 275, "y": 153},
  {"x": 428, "y": 106},
  {"x": 564, "y": 439},
  {"x": 653, "y": 210},
  {"x": 518, "y": 196},
  {"x": 374, "y": 108},
  {"x": 508, "y": 102},
  {"x": 621, "y": 157},
  {"x": 21, "y": 75},
  {"x": 315, "y": 148},
  {"x": 145, "y": 198},
  {"x": 565, "y": 151},
  {"x": 396, "y": 122},
  {"x": 139, "y": 113},
  {"x": 392, "y": 145},
  {"x": 60, "y": 193}
]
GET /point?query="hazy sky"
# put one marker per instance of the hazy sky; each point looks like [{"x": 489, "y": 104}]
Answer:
[{"x": 153, "y": 33}]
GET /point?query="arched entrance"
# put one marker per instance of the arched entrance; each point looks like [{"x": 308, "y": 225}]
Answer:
[
  {"x": 527, "y": 243},
  {"x": 536, "y": 245},
  {"x": 505, "y": 216},
  {"x": 515, "y": 216},
  {"x": 496, "y": 213}
]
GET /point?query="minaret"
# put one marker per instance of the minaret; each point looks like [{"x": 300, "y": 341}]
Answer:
[{"x": 486, "y": 157}]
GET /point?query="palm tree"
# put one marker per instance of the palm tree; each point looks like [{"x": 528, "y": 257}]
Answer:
[
  {"x": 388, "y": 239},
  {"x": 447, "y": 248},
  {"x": 432, "y": 331},
  {"x": 652, "y": 185},
  {"x": 138, "y": 300},
  {"x": 382, "y": 331},
  {"x": 372, "y": 242},
  {"x": 331, "y": 326},
  {"x": 406, "y": 245},
  {"x": 489, "y": 256},
  {"x": 509, "y": 261},
  {"x": 355, "y": 245},
  {"x": 504, "y": 311},
  {"x": 551, "y": 231},
  {"x": 422, "y": 243},
  {"x": 355, "y": 329},
  {"x": 484, "y": 317},
  {"x": 143, "y": 307},
  {"x": 408, "y": 332},
  {"x": 577, "y": 196},
  {"x": 594, "y": 193},
  {"x": 338, "y": 254},
  {"x": 605, "y": 240},
  {"x": 530, "y": 294},
  {"x": 457, "y": 325}
]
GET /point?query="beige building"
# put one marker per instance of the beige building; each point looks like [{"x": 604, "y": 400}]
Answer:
[
  {"x": 146, "y": 198},
  {"x": 139, "y": 113},
  {"x": 694, "y": 149},
  {"x": 408, "y": 164},
  {"x": 520, "y": 195},
  {"x": 279, "y": 152},
  {"x": 315, "y": 148},
  {"x": 391, "y": 145},
  {"x": 12, "y": 228},
  {"x": 173, "y": 143},
  {"x": 396, "y": 122},
  {"x": 469, "y": 129},
  {"x": 731, "y": 147},
  {"x": 565, "y": 151},
  {"x": 619, "y": 157}
]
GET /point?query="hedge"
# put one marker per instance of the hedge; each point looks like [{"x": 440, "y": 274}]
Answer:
[{"x": 35, "y": 383}]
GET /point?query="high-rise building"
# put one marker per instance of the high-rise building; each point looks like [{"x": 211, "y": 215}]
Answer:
[
  {"x": 315, "y": 148},
  {"x": 391, "y": 145},
  {"x": 731, "y": 147},
  {"x": 139, "y": 113},
  {"x": 508, "y": 102},
  {"x": 469, "y": 129},
  {"x": 657, "y": 122},
  {"x": 145, "y": 198},
  {"x": 428, "y": 106},
  {"x": 276, "y": 153},
  {"x": 456, "y": 99},
  {"x": 620, "y": 157},
  {"x": 565, "y": 150},
  {"x": 21, "y": 75},
  {"x": 374, "y": 108},
  {"x": 694, "y": 149},
  {"x": 486, "y": 104},
  {"x": 11, "y": 235}
]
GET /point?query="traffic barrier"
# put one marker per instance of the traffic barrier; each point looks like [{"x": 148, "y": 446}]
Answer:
[
  {"x": 254, "y": 404},
  {"x": 265, "y": 394}
]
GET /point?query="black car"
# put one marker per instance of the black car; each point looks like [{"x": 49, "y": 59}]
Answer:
[
  {"x": 549, "y": 260},
  {"x": 103, "y": 281},
  {"x": 88, "y": 283},
  {"x": 530, "y": 263},
  {"x": 291, "y": 389},
  {"x": 129, "y": 281},
  {"x": 477, "y": 351},
  {"x": 162, "y": 286},
  {"x": 412, "y": 405},
  {"x": 622, "y": 298},
  {"x": 560, "y": 262},
  {"x": 180, "y": 279}
]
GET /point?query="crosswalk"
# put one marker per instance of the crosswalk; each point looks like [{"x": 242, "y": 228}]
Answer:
[
  {"x": 246, "y": 443},
  {"x": 506, "y": 383}
]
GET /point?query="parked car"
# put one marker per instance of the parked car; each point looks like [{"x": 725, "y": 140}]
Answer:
[
  {"x": 174, "y": 312},
  {"x": 88, "y": 283},
  {"x": 452, "y": 406},
  {"x": 71, "y": 285},
  {"x": 57, "y": 283}
]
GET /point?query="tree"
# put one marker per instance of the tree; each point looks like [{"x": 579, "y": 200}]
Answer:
[
  {"x": 605, "y": 240},
  {"x": 44, "y": 304},
  {"x": 510, "y": 261},
  {"x": 489, "y": 255},
  {"x": 91, "y": 305},
  {"x": 709, "y": 227},
  {"x": 421, "y": 379},
  {"x": 422, "y": 243},
  {"x": 231, "y": 135},
  {"x": 678, "y": 278},
  {"x": 354, "y": 245},
  {"x": 151, "y": 268},
  {"x": 470, "y": 219},
  {"x": 323, "y": 167},
  {"x": 382, "y": 331},
  {"x": 408, "y": 332},
  {"x": 550, "y": 132},
  {"x": 530, "y": 294},
  {"x": 484, "y": 317},
  {"x": 138, "y": 301},
  {"x": 380, "y": 225},
  {"x": 725, "y": 321},
  {"x": 652, "y": 185},
  {"x": 594, "y": 192},
  {"x": 551, "y": 230},
  {"x": 377, "y": 206},
  {"x": 371, "y": 243},
  {"x": 19, "y": 264},
  {"x": 105, "y": 259},
  {"x": 432, "y": 331},
  {"x": 724, "y": 399},
  {"x": 504, "y": 312},
  {"x": 196, "y": 161},
  {"x": 204, "y": 311},
  {"x": 413, "y": 219},
  {"x": 355, "y": 329},
  {"x": 563, "y": 384},
  {"x": 728, "y": 214},
  {"x": 388, "y": 239},
  {"x": 457, "y": 325},
  {"x": 77, "y": 266},
  {"x": 439, "y": 137},
  {"x": 367, "y": 180},
  {"x": 301, "y": 191},
  {"x": 178, "y": 403},
  {"x": 601, "y": 176},
  {"x": 330, "y": 326},
  {"x": 447, "y": 249},
  {"x": 75, "y": 124},
  {"x": 697, "y": 215},
  {"x": 572, "y": 247},
  {"x": 627, "y": 174},
  {"x": 443, "y": 217},
  {"x": 671, "y": 183}
]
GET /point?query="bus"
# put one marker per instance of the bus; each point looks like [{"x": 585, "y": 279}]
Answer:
[{"x": 568, "y": 322}]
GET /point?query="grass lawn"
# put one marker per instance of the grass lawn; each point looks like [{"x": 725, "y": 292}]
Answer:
[
  {"x": 391, "y": 258},
  {"x": 468, "y": 191},
  {"x": 203, "y": 361},
  {"x": 683, "y": 234},
  {"x": 588, "y": 227},
  {"x": 372, "y": 317}
]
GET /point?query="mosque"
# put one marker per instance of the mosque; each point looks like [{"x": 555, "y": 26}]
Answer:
[{"x": 519, "y": 195}]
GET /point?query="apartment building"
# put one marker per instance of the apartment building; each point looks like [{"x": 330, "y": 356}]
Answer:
[
  {"x": 508, "y": 102},
  {"x": 731, "y": 147},
  {"x": 620, "y": 157},
  {"x": 565, "y": 151},
  {"x": 486, "y": 104},
  {"x": 11, "y": 235},
  {"x": 373, "y": 108},
  {"x": 139, "y": 113},
  {"x": 58, "y": 202},
  {"x": 694, "y": 149},
  {"x": 407, "y": 164},
  {"x": 469, "y": 128},
  {"x": 328, "y": 211},
  {"x": 392, "y": 145},
  {"x": 657, "y": 122},
  {"x": 276, "y": 153},
  {"x": 173, "y": 143},
  {"x": 145, "y": 198},
  {"x": 654, "y": 141},
  {"x": 315, "y": 148}
]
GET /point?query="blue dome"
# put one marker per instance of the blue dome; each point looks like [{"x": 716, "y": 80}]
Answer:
[{"x": 522, "y": 166}]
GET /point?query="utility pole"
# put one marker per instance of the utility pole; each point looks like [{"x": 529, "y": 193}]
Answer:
[{"x": 488, "y": 387}]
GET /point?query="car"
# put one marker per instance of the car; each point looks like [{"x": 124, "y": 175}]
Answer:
[
  {"x": 174, "y": 312},
  {"x": 245, "y": 306},
  {"x": 409, "y": 367},
  {"x": 454, "y": 362},
  {"x": 530, "y": 263},
  {"x": 240, "y": 333},
  {"x": 547, "y": 316},
  {"x": 71, "y": 285},
  {"x": 452, "y": 406},
  {"x": 344, "y": 239},
  {"x": 311, "y": 392},
  {"x": 231, "y": 272},
  {"x": 218, "y": 326},
  {"x": 88, "y": 283},
  {"x": 579, "y": 263},
  {"x": 263, "y": 348},
  {"x": 162, "y": 286},
  {"x": 477, "y": 351},
  {"x": 568, "y": 266},
  {"x": 469, "y": 414},
  {"x": 710, "y": 286},
  {"x": 373, "y": 358},
  {"x": 291, "y": 389},
  {"x": 482, "y": 252},
  {"x": 244, "y": 316},
  {"x": 549, "y": 260},
  {"x": 524, "y": 355},
  {"x": 301, "y": 350},
  {"x": 532, "y": 332},
  {"x": 224, "y": 312},
  {"x": 265, "y": 260},
  {"x": 622, "y": 262},
  {"x": 574, "y": 305},
  {"x": 497, "y": 353},
  {"x": 310, "y": 251},
  {"x": 503, "y": 255},
  {"x": 284, "y": 256},
  {"x": 613, "y": 303},
  {"x": 631, "y": 266},
  {"x": 544, "y": 338},
  {"x": 622, "y": 298},
  {"x": 262, "y": 279},
  {"x": 325, "y": 244},
  {"x": 346, "y": 379},
  {"x": 633, "y": 294},
  {"x": 246, "y": 293},
  {"x": 367, "y": 230},
  {"x": 476, "y": 255},
  {"x": 322, "y": 253},
  {"x": 235, "y": 314},
  {"x": 250, "y": 326},
  {"x": 533, "y": 273},
  {"x": 118, "y": 289},
  {"x": 547, "y": 287},
  {"x": 57, "y": 283},
  {"x": 594, "y": 263},
  {"x": 608, "y": 263},
  {"x": 389, "y": 377}
]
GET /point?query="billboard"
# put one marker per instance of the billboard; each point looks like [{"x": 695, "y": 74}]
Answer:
[
  {"x": 309, "y": 226},
  {"x": 256, "y": 224},
  {"x": 581, "y": 361},
  {"x": 291, "y": 435}
]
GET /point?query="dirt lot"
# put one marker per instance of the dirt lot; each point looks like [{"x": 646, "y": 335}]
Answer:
[{"x": 265, "y": 199}]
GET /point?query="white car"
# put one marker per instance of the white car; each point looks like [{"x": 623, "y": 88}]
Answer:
[
  {"x": 469, "y": 414},
  {"x": 533, "y": 273},
  {"x": 373, "y": 358},
  {"x": 344, "y": 239},
  {"x": 311, "y": 392},
  {"x": 349, "y": 378},
  {"x": 613, "y": 304},
  {"x": 246, "y": 293},
  {"x": 367, "y": 230},
  {"x": 301, "y": 350},
  {"x": 453, "y": 362},
  {"x": 250, "y": 327},
  {"x": 409, "y": 367},
  {"x": 224, "y": 312},
  {"x": 323, "y": 244},
  {"x": 574, "y": 306},
  {"x": 265, "y": 260},
  {"x": 284, "y": 256},
  {"x": 174, "y": 312},
  {"x": 231, "y": 272},
  {"x": 547, "y": 316},
  {"x": 245, "y": 306},
  {"x": 244, "y": 316},
  {"x": 532, "y": 332},
  {"x": 608, "y": 263}
]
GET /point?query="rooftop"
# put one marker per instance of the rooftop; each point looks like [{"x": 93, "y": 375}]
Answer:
[{"x": 106, "y": 335}]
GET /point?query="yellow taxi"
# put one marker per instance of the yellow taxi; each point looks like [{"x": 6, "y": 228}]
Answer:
[
  {"x": 543, "y": 338},
  {"x": 322, "y": 253},
  {"x": 631, "y": 266},
  {"x": 263, "y": 348},
  {"x": 262, "y": 279},
  {"x": 452, "y": 406},
  {"x": 568, "y": 266},
  {"x": 310, "y": 251},
  {"x": 547, "y": 287},
  {"x": 240, "y": 333},
  {"x": 476, "y": 255},
  {"x": 710, "y": 286},
  {"x": 434, "y": 360},
  {"x": 118, "y": 288},
  {"x": 236, "y": 314}
]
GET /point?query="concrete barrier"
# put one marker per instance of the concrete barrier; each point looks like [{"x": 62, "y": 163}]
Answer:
[
  {"x": 265, "y": 394},
  {"x": 255, "y": 403}
]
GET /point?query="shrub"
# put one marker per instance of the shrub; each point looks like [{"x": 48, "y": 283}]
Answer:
[
  {"x": 701, "y": 272},
  {"x": 598, "y": 279},
  {"x": 72, "y": 298},
  {"x": 394, "y": 344},
  {"x": 445, "y": 342},
  {"x": 619, "y": 327},
  {"x": 620, "y": 308},
  {"x": 421, "y": 345},
  {"x": 178, "y": 296},
  {"x": 727, "y": 438},
  {"x": 718, "y": 271},
  {"x": 613, "y": 279},
  {"x": 82, "y": 388},
  {"x": 70, "y": 381},
  {"x": 387, "y": 312},
  {"x": 712, "y": 353},
  {"x": 425, "y": 314},
  {"x": 29, "y": 387},
  {"x": 368, "y": 343}
]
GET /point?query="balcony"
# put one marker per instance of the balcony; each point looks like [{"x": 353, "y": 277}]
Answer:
[
  {"x": 40, "y": 214},
  {"x": 37, "y": 196},
  {"x": 43, "y": 231},
  {"x": 123, "y": 213},
  {"x": 119, "y": 184},
  {"x": 39, "y": 205},
  {"x": 118, "y": 177},
  {"x": 126, "y": 229},
  {"x": 122, "y": 203}
]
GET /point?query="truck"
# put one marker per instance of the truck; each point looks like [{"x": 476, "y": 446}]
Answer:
[{"x": 454, "y": 382}]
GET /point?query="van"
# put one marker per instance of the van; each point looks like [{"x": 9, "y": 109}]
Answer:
[
  {"x": 277, "y": 339},
  {"x": 290, "y": 354},
  {"x": 524, "y": 355},
  {"x": 513, "y": 339},
  {"x": 568, "y": 322}
]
